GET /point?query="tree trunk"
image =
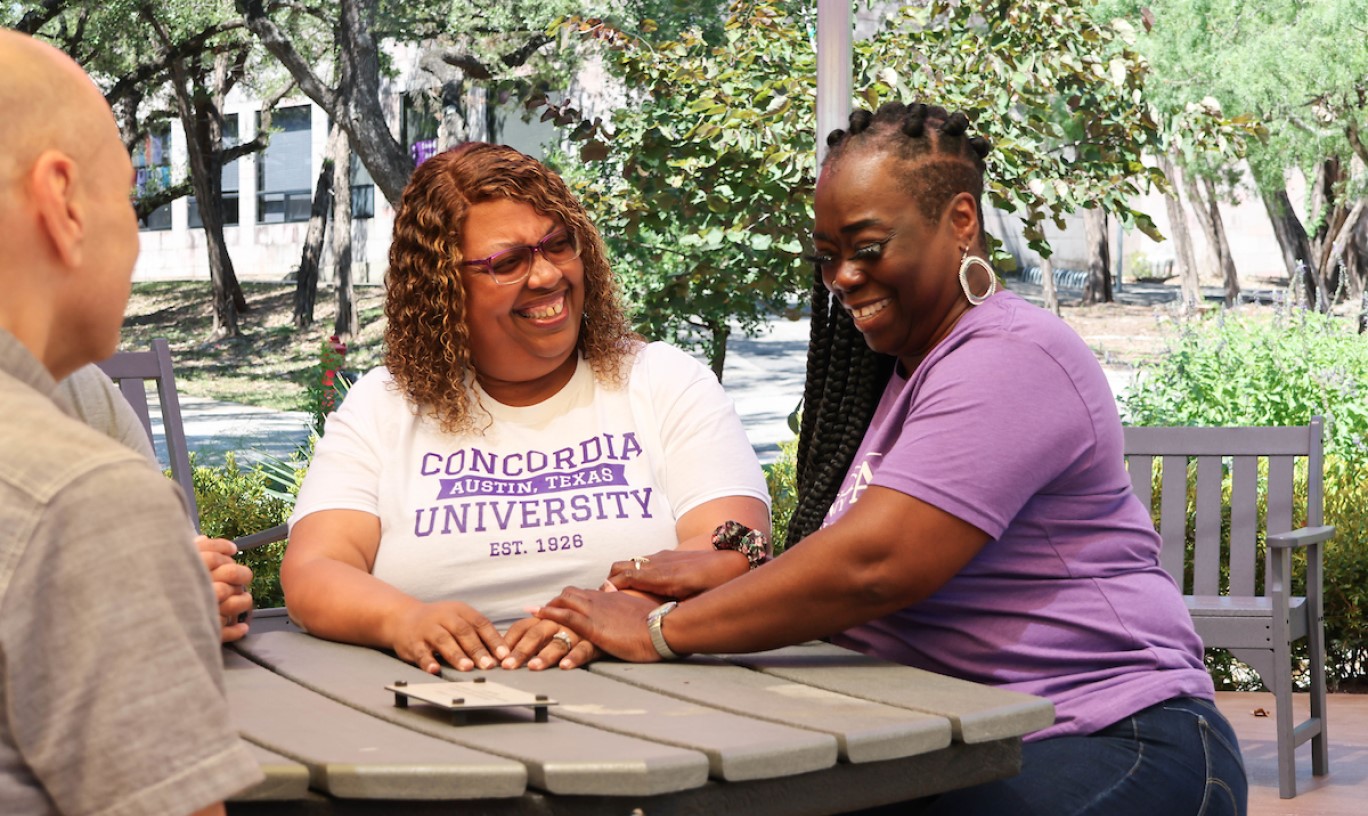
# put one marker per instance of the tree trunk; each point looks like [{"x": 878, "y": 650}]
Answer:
[
  {"x": 1099, "y": 286},
  {"x": 362, "y": 115},
  {"x": 202, "y": 121},
  {"x": 1356, "y": 256},
  {"x": 1228, "y": 274},
  {"x": 1292, "y": 240},
  {"x": 348, "y": 321},
  {"x": 1208, "y": 210},
  {"x": 1328, "y": 215},
  {"x": 1339, "y": 248},
  {"x": 306, "y": 282},
  {"x": 720, "y": 330},
  {"x": 1049, "y": 295},
  {"x": 355, "y": 102},
  {"x": 1183, "y": 256}
]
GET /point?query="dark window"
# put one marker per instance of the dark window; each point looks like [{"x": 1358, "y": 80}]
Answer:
[
  {"x": 152, "y": 166},
  {"x": 284, "y": 177},
  {"x": 362, "y": 190},
  {"x": 229, "y": 201},
  {"x": 419, "y": 125}
]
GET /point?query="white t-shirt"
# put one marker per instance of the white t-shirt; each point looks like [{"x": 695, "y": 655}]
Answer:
[{"x": 547, "y": 496}]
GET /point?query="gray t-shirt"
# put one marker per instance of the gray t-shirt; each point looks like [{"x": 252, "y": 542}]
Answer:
[
  {"x": 111, "y": 678},
  {"x": 90, "y": 396}
]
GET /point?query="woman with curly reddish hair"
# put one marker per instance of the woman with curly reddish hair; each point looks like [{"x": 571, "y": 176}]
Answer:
[{"x": 519, "y": 439}]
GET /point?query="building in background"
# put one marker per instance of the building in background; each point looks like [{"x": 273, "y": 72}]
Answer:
[{"x": 267, "y": 197}]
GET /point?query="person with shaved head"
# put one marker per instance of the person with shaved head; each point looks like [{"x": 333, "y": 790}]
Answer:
[{"x": 111, "y": 678}]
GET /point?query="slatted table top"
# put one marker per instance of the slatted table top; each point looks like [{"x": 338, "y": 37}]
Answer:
[{"x": 808, "y": 729}]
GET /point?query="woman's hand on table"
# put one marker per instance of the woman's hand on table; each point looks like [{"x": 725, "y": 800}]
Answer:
[
  {"x": 451, "y": 630},
  {"x": 678, "y": 574},
  {"x": 542, "y": 644},
  {"x": 231, "y": 582},
  {"x": 614, "y": 621}
]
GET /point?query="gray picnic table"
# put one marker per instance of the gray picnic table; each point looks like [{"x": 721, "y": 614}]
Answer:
[{"x": 809, "y": 729}]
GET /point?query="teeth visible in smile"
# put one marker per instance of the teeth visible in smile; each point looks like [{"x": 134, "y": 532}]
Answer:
[
  {"x": 870, "y": 310},
  {"x": 544, "y": 312}
]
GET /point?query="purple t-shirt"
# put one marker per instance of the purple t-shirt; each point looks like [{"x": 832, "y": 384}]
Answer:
[{"x": 1009, "y": 424}]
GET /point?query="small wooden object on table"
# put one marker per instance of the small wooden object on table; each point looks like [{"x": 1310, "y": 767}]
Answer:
[{"x": 463, "y": 696}]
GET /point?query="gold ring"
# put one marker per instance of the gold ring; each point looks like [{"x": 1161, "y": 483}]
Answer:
[
  {"x": 564, "y": 637},
  {"x": 639, "y": 560}
]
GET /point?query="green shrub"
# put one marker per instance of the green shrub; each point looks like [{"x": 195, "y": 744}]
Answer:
[
  {"x": 781, "y": 477},
  {"x": 1234, "y": 370},
  {"x": 326, "y": 385},
  {"x": 234, "y": 502},
  {"x": 1346, "y": 577}
]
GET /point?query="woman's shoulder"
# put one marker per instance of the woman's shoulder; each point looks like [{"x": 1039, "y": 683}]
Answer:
[
  {"x": 667, "y": 366},
  {"x": 661, "y": 355},
  {"x": 1013, "y": 344},
  {"x": 375, "y": 387},
  {"x": 1010, "y": 319}
]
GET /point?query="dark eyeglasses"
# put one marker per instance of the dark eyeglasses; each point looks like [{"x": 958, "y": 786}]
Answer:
[{"x": 514, "y": 265}]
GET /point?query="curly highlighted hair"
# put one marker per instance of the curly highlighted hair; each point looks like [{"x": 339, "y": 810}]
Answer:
[{"x": 427, "y": 339}]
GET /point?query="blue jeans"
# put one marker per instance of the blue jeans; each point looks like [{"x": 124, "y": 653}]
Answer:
[{"x": 1177, "y": 758}]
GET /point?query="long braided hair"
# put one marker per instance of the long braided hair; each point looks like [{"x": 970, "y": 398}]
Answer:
[{"x": 845, "y": 378}]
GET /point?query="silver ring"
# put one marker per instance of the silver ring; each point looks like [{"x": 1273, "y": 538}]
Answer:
[
  {"x": 564, "y": 637},
  {"x": 638, "y": 561}
]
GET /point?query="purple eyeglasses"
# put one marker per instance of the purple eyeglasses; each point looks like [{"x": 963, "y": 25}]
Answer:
[{"x": 514, "y": 265}]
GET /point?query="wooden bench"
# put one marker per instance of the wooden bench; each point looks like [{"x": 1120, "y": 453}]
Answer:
[{"x": 1258, "y": 627}]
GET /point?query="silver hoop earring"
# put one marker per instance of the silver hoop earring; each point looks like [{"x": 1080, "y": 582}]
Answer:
[{"x": 967, "y": 262}]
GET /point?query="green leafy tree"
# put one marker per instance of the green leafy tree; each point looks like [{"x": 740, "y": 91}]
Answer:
[
  {"x": 188, "y": 53},
  {"x": 351, "y": 95},
  {"x": 1301, "y": 69},
  {"x": 703, "y": 182},
  {"x": 1060, "y": 95},
  {"x": 501, "y": 45}
]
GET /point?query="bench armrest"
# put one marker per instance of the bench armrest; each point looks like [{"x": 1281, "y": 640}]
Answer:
[
  {"x": 277, "y": 533},
  {"x": 1304, "y": 537}
]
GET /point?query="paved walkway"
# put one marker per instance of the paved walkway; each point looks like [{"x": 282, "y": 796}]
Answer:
[
  {"x": 763, "y": 376},
  {"x": 213, "y": 429}
]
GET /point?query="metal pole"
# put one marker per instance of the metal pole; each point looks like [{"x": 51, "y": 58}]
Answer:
[{"x": 834, "y": 68}]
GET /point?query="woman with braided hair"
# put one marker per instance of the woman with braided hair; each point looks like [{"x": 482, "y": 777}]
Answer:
[{"x": 963, "y": 504}]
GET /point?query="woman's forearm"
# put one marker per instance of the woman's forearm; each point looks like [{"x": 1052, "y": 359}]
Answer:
[
  {"x": 893, "y": 552},
  {"x": 779, "y": 604},
  {"x": 338, "y": 601}
]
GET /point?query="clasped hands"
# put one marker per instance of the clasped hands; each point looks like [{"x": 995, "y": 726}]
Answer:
[
  {"x": 232, "y": 582},
  {"x": 427, "y": 633}
]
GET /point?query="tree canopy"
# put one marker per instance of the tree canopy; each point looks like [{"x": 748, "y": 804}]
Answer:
[
  {"x": 1300, "y": 69},
  {"x": 703, "y": 184}
]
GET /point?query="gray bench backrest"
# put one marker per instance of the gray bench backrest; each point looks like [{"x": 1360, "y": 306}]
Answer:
[
  {"x": 130, "y": 370},
  {"x": 1210, "y": 447}
]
